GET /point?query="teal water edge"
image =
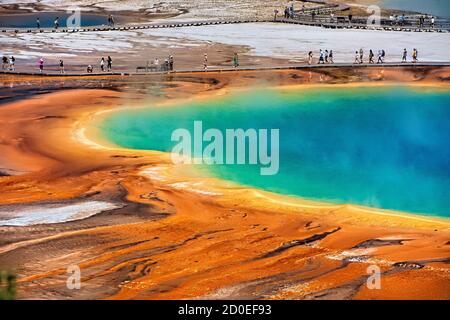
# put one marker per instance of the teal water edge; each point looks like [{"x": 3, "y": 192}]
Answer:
[
  {"x": 384, "y": 147},
  {"x": 440, "y": 8}
]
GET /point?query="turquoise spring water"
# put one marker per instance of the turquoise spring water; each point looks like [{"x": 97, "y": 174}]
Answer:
[
  {"x": 383, "y": 147},
  {"x": 440, "y": 8}
]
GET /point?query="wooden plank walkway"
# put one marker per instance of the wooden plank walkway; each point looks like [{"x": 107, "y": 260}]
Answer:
[
  {"x": 240, "y": 69},
  {"x": 132, "y": 26},
  {"x": 325, "y": 23},
  {"x": 319, "y": 21}
]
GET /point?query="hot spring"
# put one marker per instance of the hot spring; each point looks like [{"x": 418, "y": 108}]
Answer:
[
  {"x": 384, "y": 147},
  {"x": 28, "y": 20}
]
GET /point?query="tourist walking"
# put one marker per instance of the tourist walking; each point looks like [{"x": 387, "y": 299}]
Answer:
[
  {"x": 356, "y": 57},
  {"x": 61, "y": 67},
  {"x": 12, "y": 63},
  {"x": 432, "y": 22},
  {"x": 56, "y": 23},
  {"x": 321, "y": 57},
  {"x": 326, "y": 56},
  {"x": 371, "y": 55},
  {"x": 156, "y": 64},
  {"x": 380, "y": 57},
  {"x": 310, "y": 57},
  {"x": 391, "y": 20},
  {"x": 111, "y": 21},
  {"x": 395, "y": 20},
  {"x": 415, "y": 55},
  {"x": 330, "y": 57},
  {"x": 402, "y": 20},
  {"x": 4, "y": 63},
  {"x": 291, "y": 11},
  {"x": 109, "y": 60},
  {"x": 38, "y": 23},
  {"x": 361, "y": 55},
  {"x": 171, "y": 62},
  {"x": 236, "y": 60},
  {"x": 383, "y": 55},
  {"x": 41, "y": 65},
  {"x": 405, "y": 55},
  {"x": 102, "y": 64},
  {"x": 205, "y": 62}
]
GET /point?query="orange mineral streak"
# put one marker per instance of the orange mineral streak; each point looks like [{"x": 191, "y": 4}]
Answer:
[{"x": 180, "y": 235}]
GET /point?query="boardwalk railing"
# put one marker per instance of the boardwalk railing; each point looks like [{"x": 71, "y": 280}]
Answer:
[
  {"x": 304, "y": 19},
  {"x": 361, "y": 23},
  {"x": 325, "y": 9},
  {"x": 132, "y": 27}
]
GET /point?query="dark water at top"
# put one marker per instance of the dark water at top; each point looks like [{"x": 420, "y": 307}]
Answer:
[
  {"x": 47, "y": 20},
  {"x": 440, "y": 8}
]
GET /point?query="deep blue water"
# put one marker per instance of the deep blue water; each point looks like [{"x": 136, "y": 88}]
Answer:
[
  {"x": 47, "y": 20},
  {"x": 440, "y": 8},
  {"x": 383, "y": 147}
]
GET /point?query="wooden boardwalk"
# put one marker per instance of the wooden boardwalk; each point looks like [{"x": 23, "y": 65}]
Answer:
[
  {"x": 319, "y": 21},
  {"x": 131, "y": 26},
  {"x": 324, "y": 22},
  {"x": 231, "y": 69}
]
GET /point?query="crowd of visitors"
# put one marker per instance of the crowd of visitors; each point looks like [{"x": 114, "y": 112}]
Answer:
[
  {"x": 324, "y": 57},
  {"x": 328, "y": 14},
  {"x": 9, "y": 63},
  {"x": 327, "y": 56},
  {"x": 289, "y": 11}
]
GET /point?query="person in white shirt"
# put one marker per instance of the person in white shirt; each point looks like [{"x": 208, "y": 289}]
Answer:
[
  {"x": 321, "y": 57},
  {"x": 102, "y": 64},
  {"x": 12, "y": 63}
]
